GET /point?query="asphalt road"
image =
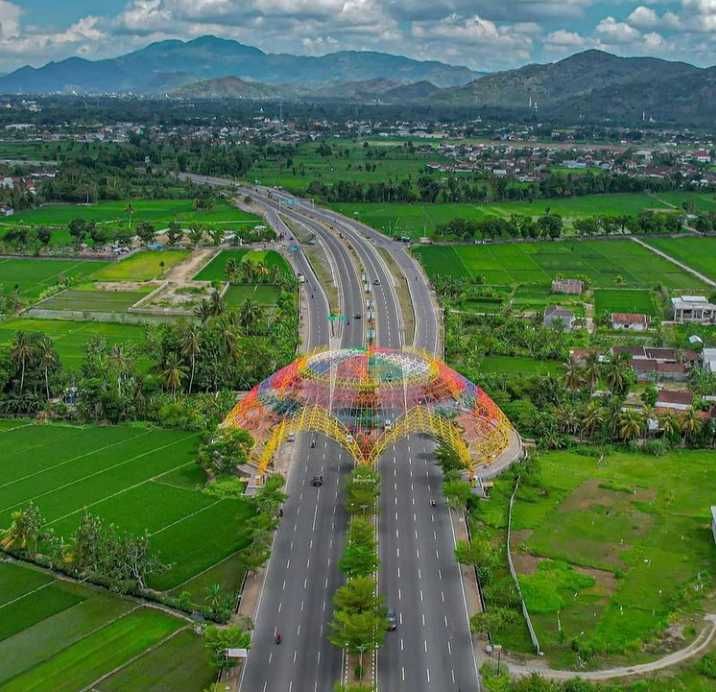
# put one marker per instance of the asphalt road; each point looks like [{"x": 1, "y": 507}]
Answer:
[{"x": 431, "y": 649}]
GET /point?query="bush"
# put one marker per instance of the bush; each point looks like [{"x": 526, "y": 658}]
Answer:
[{"x": 707, "y": 666}]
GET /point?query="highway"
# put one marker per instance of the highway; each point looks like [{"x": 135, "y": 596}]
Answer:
[{"x": 432, "y": 648}]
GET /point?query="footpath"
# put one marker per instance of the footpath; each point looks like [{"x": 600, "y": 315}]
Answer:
[{"x": 681, "y": 265}]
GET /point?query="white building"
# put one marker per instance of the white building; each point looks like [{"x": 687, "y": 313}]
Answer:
[
  {"x": 693, "y": 309},
  {"x": 708, "y": 356}
]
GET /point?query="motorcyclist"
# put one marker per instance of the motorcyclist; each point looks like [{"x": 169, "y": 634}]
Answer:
[{"x": 277, "y": 637}]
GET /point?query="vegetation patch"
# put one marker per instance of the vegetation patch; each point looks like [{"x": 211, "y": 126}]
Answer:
[
  {"x": 607, "y": 301},
  {"x": 142, "y": 266}
]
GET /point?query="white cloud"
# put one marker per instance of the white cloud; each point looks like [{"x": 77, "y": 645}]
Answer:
[
  {"x": 613, "y": 32},
  {"x": 565, "y": 39}
]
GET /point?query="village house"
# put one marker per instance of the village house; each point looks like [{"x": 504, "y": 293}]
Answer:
[
  {"x": 633, "y": 321},
  {"x": 573, "y": 287},
  {"x": 670, "y": 401},
  {"x": 555, "y": 315},
  {"x": 693, "y": 309}
]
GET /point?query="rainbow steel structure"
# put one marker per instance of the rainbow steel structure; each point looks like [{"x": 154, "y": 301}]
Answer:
[{"x": 368, "y": 399}]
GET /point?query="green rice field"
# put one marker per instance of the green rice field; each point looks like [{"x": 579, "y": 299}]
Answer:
[
  {"x": 418, "y": 219},
  {"x": 697, "y": 253},
  {"x": 33, "y": 276},
  {"x": 59, "y": 635},
  {"x": 117, "y": 215},
  {"x": 83, "y": 300},
  {"x": 259, "y": 293},
  {"x": 70, "y": 338},
  {"x": 604, "y": 263},
  {"x": 608, "y": 300},
  {"x": 132, "y": 477},
  {"x": 216, "y": 269},
  {"x": 142, "y": 266}
]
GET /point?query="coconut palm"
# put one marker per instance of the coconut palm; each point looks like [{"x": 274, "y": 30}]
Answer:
[
  {"x": 592, "y": 418},
  {"x": 592, "y": 369},
  {"x": 630, "y": 424},
  {"x": 20, "y": 353},
  {"x": 119, "y": 358},
  {"x": 191, "y": 347},
  {"x": 669, "y": 426},
  {"x": 618, "y": 374},
  {"x": 48, "y": 360},
  {"x": 573, "y": 376},
  {"x": 173, "y": 373},
  {"x": 691, "y": 424}
]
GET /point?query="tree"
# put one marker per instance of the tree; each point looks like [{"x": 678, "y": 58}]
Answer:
[
  {"x": 20, "y": 353},
  {"x": 145, "y": 232},
  {"x": 618, "y": 374},
  {"x": 493, "y": 621},
  {"x": 358, "y": 595},
  {"x": 25, "y": 528},
  {"x": 48, "y": 360},
  {"x": 191, "y": 347},
  {"x": 196, "y": 234},
  {"x": 691, "y": 424},
  {"x": 218, "y": 640},
  {"x": 216, "y": 235},
  {"x": 630, "y": 424},
  {"x": 457, "y": 492},
  {"x": 358, "y": 632},
  {"x": 359, "y": 556},
  {"x": 270, "y": 495},
  {"x": 174, "y": 232},
  {"x": 225, "y": 450},
  {"x": 219, "y": 602},
  {"x": 173, "y": 373}
]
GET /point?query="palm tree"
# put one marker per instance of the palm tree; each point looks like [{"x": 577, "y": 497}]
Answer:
[
  {"x": 670, "y": 426},
  {"x": 691, "y": 424},
  {"x": 231, "y": 269},
  {"x": 573, "y": 377},
  {"x": 203, "y": 310},
  {"x": 191, "y": 346},
  {"x": 618, "y": 374},
  {"x": 20, "y": 353},
  {"x": 48, "y": 360},
  {"x": 119, "y": 358},
  {"x": 592, "y": 370},
  {"x": 592, "y": 418},
  {"x": 630, "y": 424},
  {"x": 217, "y": 304},
  {"x": 173, "y": 373},
  {"x": 249, "y": 314}
]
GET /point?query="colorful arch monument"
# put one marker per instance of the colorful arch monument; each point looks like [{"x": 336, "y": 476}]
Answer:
[{"x": 368, "y": 399}]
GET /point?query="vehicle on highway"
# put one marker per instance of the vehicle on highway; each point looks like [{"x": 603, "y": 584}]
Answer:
[
  {"x": 317, "y": 481},
  {"x": 376, "y": 282},
  {"x": 357, "y": 316},
  {"x": 313, "y": 443},
  {"x": 392, "y": 620}
]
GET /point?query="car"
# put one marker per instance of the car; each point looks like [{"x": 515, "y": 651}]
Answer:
[
  {"x": 392, "y": 620},
  {"x": 376, "y": 282},
  {"x": 357, "y": 316},
  {"x": 317, "y": 481}
]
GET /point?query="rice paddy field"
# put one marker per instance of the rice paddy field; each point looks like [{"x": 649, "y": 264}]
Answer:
[
  {"x": 608, "y": 300},
  {"x": 697, "y": 253},
  {"x": 139, "y": 478},
  {"x": 59, "y": 635},
  {"x": 34, "y": 275},
  {"x": 142, "y": 266},
  {"x": 88, "y": 300},
  {"x": 261, "y": 294},
  {"x": 605, "y": 264},
  {"x": 612, "y": 550},
  {"x": 216, "y": 269},
  {"x": 70, "y": 338},
  {"x": 114, "y": 215},
  {"x": 417, "y": 219}
]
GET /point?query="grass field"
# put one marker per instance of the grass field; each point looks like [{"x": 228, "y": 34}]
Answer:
[
  {"x": 115, "y": 215},
  {"x": 697, "y": 253},
  {"x": 71, "y": 338},
  {"x": 416, "y": 220},
  {"x": 129, "y": 475},
  {"x": 608, "y": 300},
  {"x": 216, "y": 269},
  {"x": 602, "y": 262},
  {"x": 32, "y": 276},
  {"x": 142, "y": 266},
  {"x": 261, "y": 294},
  {"x": 59, "y": 635},
  {"x": 92, "y": 301},
  {"x": 613, "y": 549}
]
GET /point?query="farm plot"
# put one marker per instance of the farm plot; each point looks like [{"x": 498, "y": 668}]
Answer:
[
  {"x": 142, "y": 266},
  {"x": 114, "y": 215},
  {"x": 56, "y": 634},
  {"x": 261, "y": 294},
  {"x": 30, "y": 277},
  {"x": 603, "y": 263},
  {"x": 81, "y": 300},
  {"x": 71, "y": 338},
  {"x": 608, "y": 300},
  {"x": 697, "y": 253},
  {"x": 614, "y": 546},
  {"x": 123, "y": 474},
  {"x": 216, "y": 269}
]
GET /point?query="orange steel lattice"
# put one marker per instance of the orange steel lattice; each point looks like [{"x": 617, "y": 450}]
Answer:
[{"x": 368, "y": 399}]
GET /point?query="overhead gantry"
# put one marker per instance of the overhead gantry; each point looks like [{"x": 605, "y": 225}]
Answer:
[{"x": 368, "y": 399}]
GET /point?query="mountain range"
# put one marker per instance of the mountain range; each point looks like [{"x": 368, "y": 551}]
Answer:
[
  {"x": 592, "y": 85},
  {"x": 168, "y": 65}
]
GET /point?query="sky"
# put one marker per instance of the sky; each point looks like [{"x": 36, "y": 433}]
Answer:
[{"x": 482, "y": 34}]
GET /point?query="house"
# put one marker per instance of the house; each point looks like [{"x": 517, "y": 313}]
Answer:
[
  {"x": 633, "y": 321},
  {"x": 670, "y": 401},
  {"x": 708, "y": 356},
  {"x": 652, "y": 363},
  {"x": 572, "y": 287},
  {"x": 555, "y": 315},
  {"x": 702, "y": 156},
  {"x": 693, "y": 309}
]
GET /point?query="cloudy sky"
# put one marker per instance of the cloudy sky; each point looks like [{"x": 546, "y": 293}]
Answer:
[{"x": 483, "y": 34}]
